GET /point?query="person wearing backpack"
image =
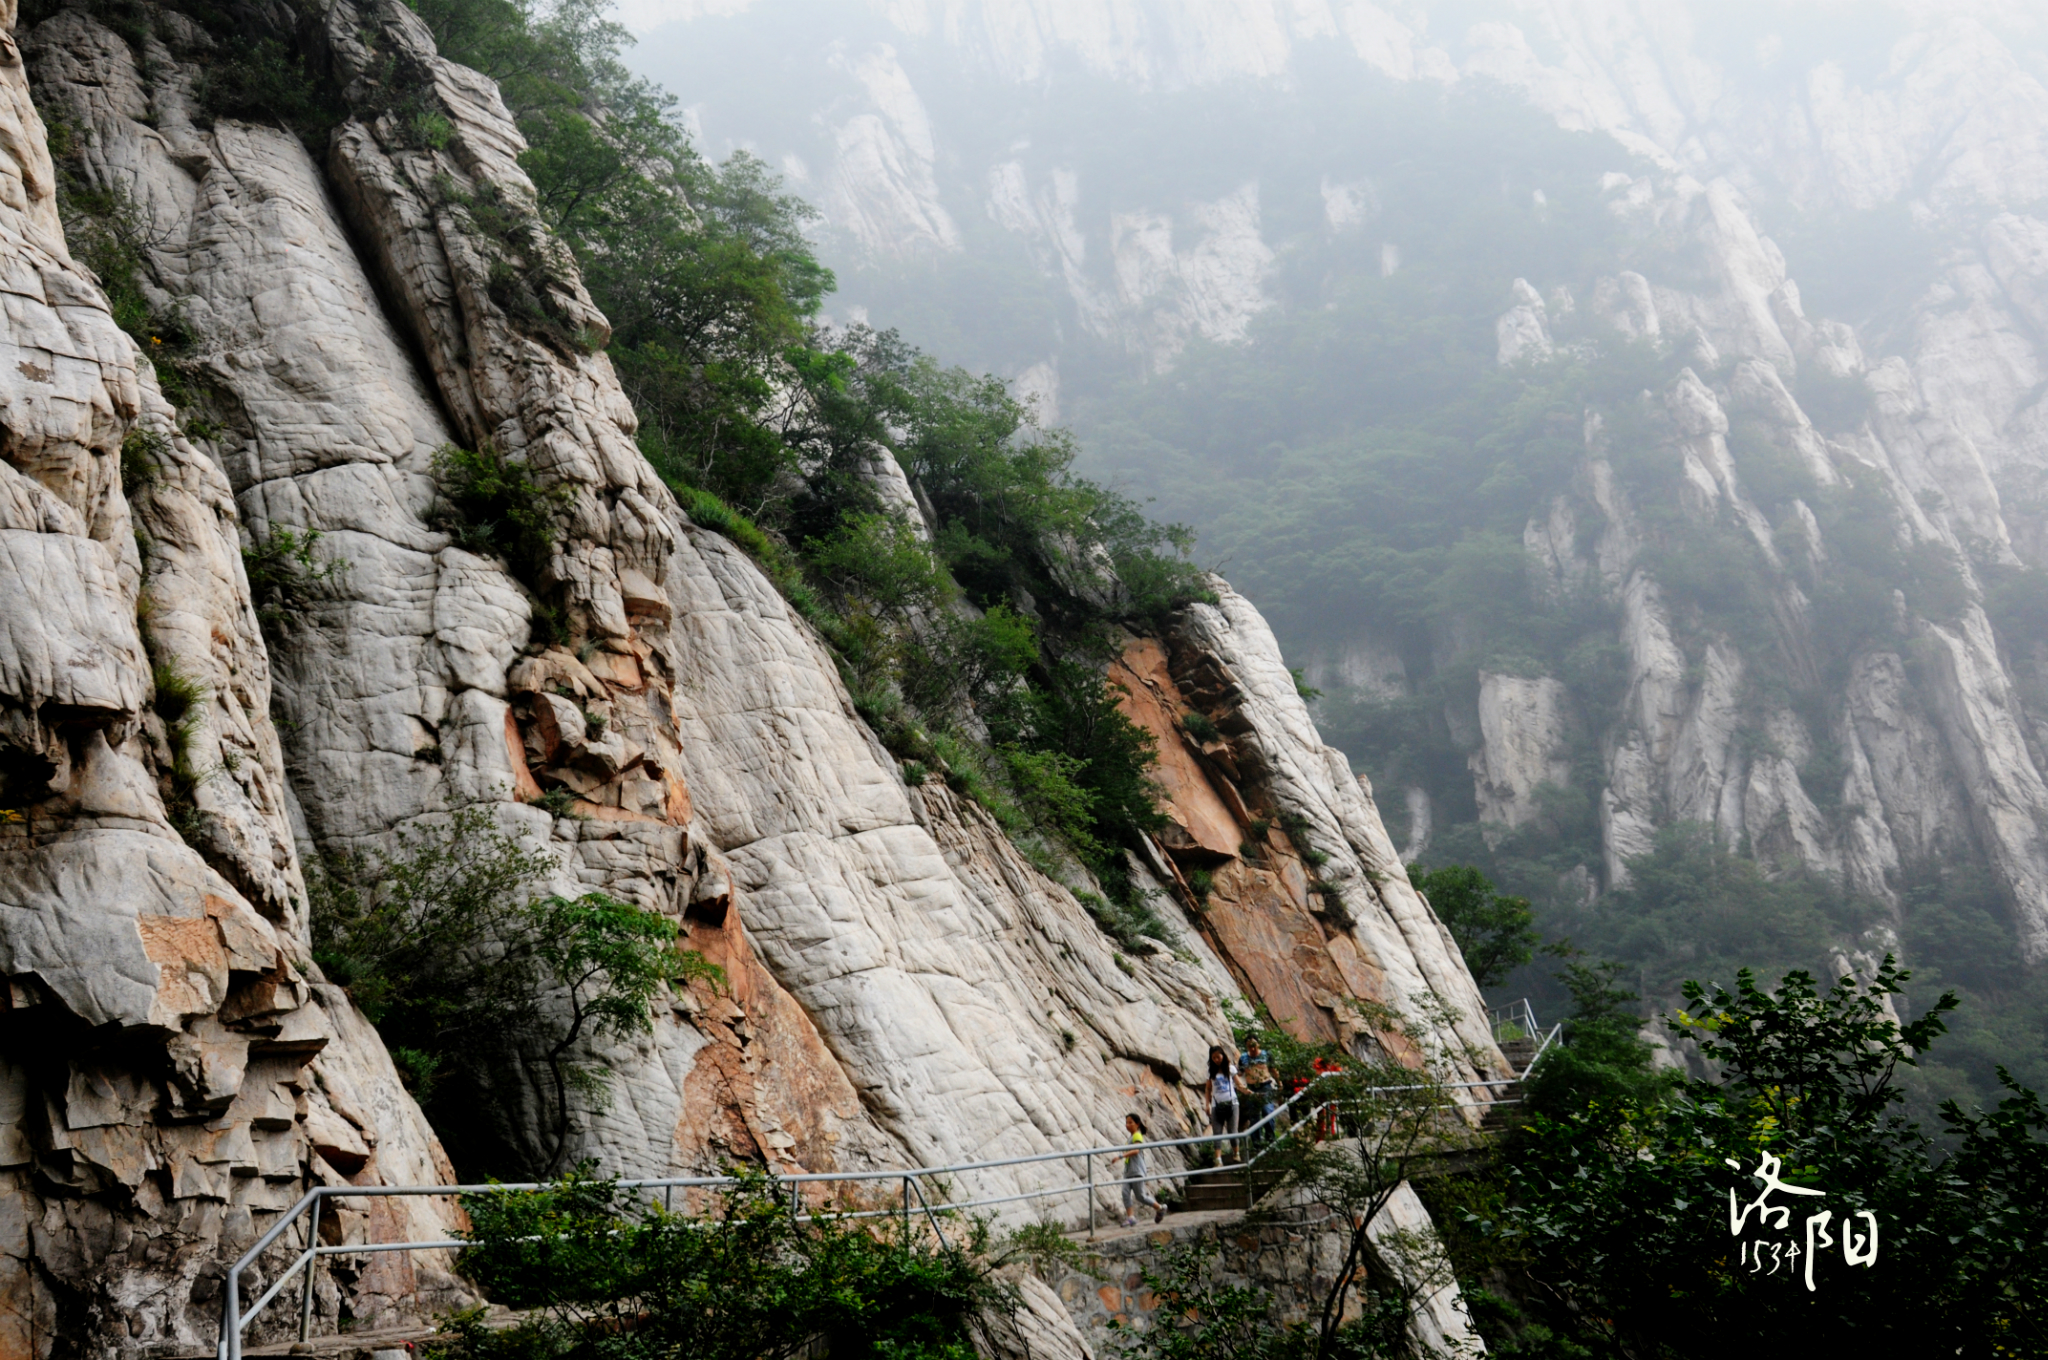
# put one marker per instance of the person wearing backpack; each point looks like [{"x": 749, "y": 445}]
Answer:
[{"x": 1222, "y": 1095}]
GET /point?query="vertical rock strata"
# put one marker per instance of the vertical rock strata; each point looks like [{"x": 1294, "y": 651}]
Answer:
[
  {"x": 169, "y": 1075},
  {"x": 1928, "y": 748},
  {"x": 1308, "y": 906},
  {"x": 903, "y": 986}
]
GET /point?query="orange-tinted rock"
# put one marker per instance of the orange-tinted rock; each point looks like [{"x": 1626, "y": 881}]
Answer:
[
  {"x": 1204, "y": 821},
  {"x": 766, "y": 1086},
  {"x": 678, "y": 798},
  {"x": 524, "y": 788},
  {"x": 1275, "y": 948},
  {"x": 617, "y": 670}
]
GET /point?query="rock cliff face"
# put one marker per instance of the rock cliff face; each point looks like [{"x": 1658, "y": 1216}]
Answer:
[
  {"x": 1933, "y": 737},
  {"x": 903, "y": 986},
  {"x": 1932, "y": 745},
  {"x": 173, "y": 1073}
]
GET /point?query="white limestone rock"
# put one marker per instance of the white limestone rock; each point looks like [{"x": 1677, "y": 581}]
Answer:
[
  {"x": 152, "y": 929},
  {"x": 1523, "y": 331},
  {"x": 1524, "y": 722}
]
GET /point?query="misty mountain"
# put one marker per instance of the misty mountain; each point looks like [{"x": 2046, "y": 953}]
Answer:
[{"x": 1630, "y": 416}]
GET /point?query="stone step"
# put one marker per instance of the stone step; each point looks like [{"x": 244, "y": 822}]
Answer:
[
  {"x": 389, "y": 1343},
  {"x": 1224, "y": 1188},
  {"x": 1214, "y": 1191},
  {"x": 1502, "y": 1114}
]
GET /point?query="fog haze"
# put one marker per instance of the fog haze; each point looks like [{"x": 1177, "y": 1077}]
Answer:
[{"x": 1613, "y": 406}]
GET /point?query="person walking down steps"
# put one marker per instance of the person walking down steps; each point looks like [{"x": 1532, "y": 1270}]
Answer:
[
  {"x": 1135, "y": 1191},
  {"x": 1222, "y": 1097}
]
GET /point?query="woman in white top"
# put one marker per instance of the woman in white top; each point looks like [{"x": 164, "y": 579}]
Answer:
[{"x": 1222, "y": 1092}]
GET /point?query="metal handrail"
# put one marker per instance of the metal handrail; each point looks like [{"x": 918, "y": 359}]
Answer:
[
  {"x": 1519, "y": 1013},
  {"x": 234, "y": 1319}
]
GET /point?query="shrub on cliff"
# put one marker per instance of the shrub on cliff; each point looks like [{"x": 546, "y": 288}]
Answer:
[
  {"x": 607, "y": 1273},
  {"x": 491, "y": 505},
  {"x": 466, "y": 970}
]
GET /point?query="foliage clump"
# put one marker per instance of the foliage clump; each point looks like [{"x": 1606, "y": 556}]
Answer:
[
  {"x": 1496, "y": 934},
  {"x": 141, "y": 451},
  {"x": 286, "y": 575},
  {"x": 1694, "y": 906},
  {"x": 1607, "y": 1229},
  {"x": 468, "y": 972},
  {"x": 180, "y": 702},
  {"x": 493, "y": 505},
  {"x": 108, "y": 232},
  {"x": 604, "y": 1272}
]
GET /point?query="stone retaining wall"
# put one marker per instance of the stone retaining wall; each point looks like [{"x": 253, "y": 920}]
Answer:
[{"x": 1293, "y": 1254}]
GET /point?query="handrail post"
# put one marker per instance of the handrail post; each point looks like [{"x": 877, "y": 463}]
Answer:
[
  {"x": 312, "y": 1264},
  {"x": 1090, "y": 1157},
  {"x": 231, "y": 1317},
  {"x": 906, "y": 1208}
]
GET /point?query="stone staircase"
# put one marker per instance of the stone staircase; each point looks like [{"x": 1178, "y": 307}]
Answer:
[
  {"x": 1503, "y": 1114},
  {"x": 1227, "y": 1187}
]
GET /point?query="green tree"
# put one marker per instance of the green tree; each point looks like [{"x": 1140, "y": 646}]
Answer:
[
  {"x": 702, "y": 270},
  {"x": 603, "y": 1273},
  {"x": 1693, "y": 907},
  {"x": 465, "y": 971},
  {"x": 1200, "y": 1317},
  {"x": 1601, "y": 1057},
  {"x": 609, "y": 961},
  {"x": 1391, "y": 1116},
  {"x": 1618, "y": 1212},
  {"x": 1496, "y": 934}
]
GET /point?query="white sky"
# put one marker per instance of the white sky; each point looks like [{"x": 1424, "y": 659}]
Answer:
[{"x": 644, "y": 15}]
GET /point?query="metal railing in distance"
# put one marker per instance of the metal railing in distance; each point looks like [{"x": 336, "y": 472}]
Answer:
[
  {"x": 235, "y": 1319},
  {"x": 1516, "y": 1020}
]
